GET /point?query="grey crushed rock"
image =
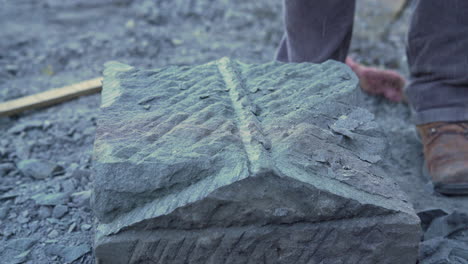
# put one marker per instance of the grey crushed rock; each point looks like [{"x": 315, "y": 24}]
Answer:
[
  {"x": 53, "y": 234},
  {"x": 68, "y": 186},
  {"x": 5, "y": 168},
  {"x": 44, "y": 212},
  {"x": 445, "y": 238},
  {"x": 81, "y": 198},
  {"x": 51, "y": 198},
  {"x": 67, "y": 253},
  {"x": 10, "y": 195},
  {"x": 23, "y": 218},
  {"x": 86, "y": 227},
  {"x": 39, "y": 169},
  {"x": 59, "y": 211},
  {"x": 33, "y": 124},
  {"x": 16, "y": 250},
  {"x": 20, "y": 244},
  {"x": 72, "y": 227},
  {"x": 4, "y": 212},
  {"x": 20, "y": 258}
]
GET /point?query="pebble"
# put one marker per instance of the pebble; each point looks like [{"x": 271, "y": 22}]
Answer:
[
  {"x": 33, "y": 226},
  {"x": 53, "y": 221},
  {"x": 39, "y": 169},
  {"x": 5, "y": 188},
  {"x": 21, "y": 199},
  {"x": 53, "y": 234},
  {"x": 72, "y": 227},
  {"x": 3, "y": 152},
  {"x": 447, "y": 226},
  {"x": 13, "y": 215},
  {"x": 22, "y": 257},
  {"x": 85, "y": 227},
  {"x": 51, "y": 199},
  {"x": 44, "y": 212},
  {"x": 77, "y": 136},
  {"x": 25, "y": 126},
  {"x": 130, "y": 24},
  {"x": 68, "y": 186},
  {"x": 23, "y": 219},
  {"x": 16, "y": 251},
  {"x": 4, "y": 212},
  {"x": 79, "y": 173},
  {"x": 12, "y": 68},
  {"x": 4, "y": 142},
  {"x": 445, "y": 237},
  {"x": 59, "y": 211},
  {"x": 5, "y": 168},
  {"x": 81, "y": 198},
  {"x": 67, "y": 253},
  {"x": 21, "y": 244},
  {"x": 47, "y": 124},
  {"x": 24, "y": 213}
]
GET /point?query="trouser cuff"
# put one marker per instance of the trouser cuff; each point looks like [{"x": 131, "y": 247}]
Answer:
[{"x": 452, "y": 114}]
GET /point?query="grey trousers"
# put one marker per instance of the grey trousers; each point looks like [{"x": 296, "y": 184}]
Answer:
[{"x": 437, "y": 49}]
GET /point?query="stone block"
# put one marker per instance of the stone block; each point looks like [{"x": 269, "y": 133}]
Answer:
[{"x": 234, "y": 163}]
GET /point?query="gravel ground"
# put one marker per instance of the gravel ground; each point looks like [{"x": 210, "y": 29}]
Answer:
[{"x": 45, "y": 155}]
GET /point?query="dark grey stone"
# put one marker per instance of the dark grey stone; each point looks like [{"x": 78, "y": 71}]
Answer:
[
  {"x": 51, "y": 198},
  {"x": 10, "y": 195},
  {"x": 44, "y": 212},
  {"x": 448, "y": 226},
  {"x": 86, "y": 227},
  {"x": 68, "y": 186},
  {"x": 59, "y": 211},
  {"x": 81, "y": 198},
  {"x": 33, "y": 124},
  {"x": 67, "y": 253},
  {"x": 53, "y": 234},
  {"x": 16, "y": 250},
  {"x": 444, "y": 251},
  {"x": 5, "y": 168},
  {"x": 427, "y": 216},
  {"x": 20, "y": 258},
  {"x": 445, "y": 239},
  {"x": 4, "y": 212},
  {"x": 237, "y": 163},
  {"x": 39, "y": 169}
]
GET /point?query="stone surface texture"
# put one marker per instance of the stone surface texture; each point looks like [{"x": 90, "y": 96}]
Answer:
[{"x": 234, "y": 163}]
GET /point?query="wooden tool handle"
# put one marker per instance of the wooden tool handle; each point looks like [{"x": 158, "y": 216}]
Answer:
[{"x": 51, "y": 97}]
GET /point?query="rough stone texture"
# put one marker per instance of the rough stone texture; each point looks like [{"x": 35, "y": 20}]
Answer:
[{"x": 234, "y": 163}]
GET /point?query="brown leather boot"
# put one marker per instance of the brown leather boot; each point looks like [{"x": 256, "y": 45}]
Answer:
[{"x": 446, "y": 154}]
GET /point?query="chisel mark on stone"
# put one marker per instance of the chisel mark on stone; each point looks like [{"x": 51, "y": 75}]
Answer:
[{"x": 250, "y": 131}]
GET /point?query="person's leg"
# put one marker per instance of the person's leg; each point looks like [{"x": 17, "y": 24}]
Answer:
[
  {"x": 319, "y": 30},
  {"x": 316, "y": 30},
  {"x": 438, "y": 93},
  {"x": 438, "y": 60}
]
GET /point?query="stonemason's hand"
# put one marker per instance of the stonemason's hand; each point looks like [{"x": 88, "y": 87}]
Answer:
[{"x": 375, "y": 81}]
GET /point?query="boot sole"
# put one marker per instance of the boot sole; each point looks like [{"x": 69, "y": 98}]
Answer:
[
  {"x": 451, "y": 189},
  {"x": 446, "y": 188}
]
